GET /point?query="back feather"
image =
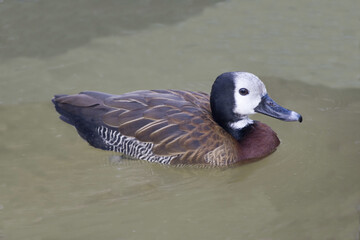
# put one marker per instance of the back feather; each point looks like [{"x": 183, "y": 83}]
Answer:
[{"x": 176, "y": 124}]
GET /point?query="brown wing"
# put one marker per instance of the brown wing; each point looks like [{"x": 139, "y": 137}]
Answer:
[{"x": 176, "y": 122}]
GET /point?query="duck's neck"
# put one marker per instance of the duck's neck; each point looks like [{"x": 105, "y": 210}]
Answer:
[
  {"x": 241, "y": 123},
  {"x": 239, "y": 128}
]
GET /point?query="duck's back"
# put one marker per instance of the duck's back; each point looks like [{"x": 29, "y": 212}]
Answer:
[{"x": 165, "y": 126}]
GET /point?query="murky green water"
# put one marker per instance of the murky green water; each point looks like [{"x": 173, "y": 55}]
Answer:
[{"x": 54, "y": 186}]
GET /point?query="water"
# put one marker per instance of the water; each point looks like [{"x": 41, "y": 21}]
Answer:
[{"x": 54, "y": 186}]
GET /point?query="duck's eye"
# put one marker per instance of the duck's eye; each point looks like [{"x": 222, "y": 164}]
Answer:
[{"x": 243, "y": 91}]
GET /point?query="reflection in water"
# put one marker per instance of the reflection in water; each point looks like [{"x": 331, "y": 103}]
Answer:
[{"x": 29, "y": 27}]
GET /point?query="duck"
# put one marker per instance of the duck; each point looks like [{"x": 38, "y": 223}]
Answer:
[{"x": 179, "y": 127}]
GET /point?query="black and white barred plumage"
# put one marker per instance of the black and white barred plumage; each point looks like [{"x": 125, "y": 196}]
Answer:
[{"x": 116, "y": 142}]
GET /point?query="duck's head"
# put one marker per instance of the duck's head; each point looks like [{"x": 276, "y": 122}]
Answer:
[{"x": 235, "y": 95}]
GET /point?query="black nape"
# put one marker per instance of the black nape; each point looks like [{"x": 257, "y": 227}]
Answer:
[
  {"x": 222, "y": 105},
  {"x": 239, "y": 134}
]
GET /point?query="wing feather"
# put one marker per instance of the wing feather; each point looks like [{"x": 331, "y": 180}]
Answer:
[
  {"x": 176, "y": 122},
  {"x": 128, "y": 128},
  {"x": 144, "y": 132}
]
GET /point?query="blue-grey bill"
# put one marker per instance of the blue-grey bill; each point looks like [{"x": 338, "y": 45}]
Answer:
[{"x": 270, "y": 108}]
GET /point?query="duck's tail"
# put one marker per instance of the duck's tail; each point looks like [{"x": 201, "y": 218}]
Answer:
[{"x": 84, "y": 111}]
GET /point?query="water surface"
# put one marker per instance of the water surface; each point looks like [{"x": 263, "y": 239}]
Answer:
[{"x": 53, "y": 185}]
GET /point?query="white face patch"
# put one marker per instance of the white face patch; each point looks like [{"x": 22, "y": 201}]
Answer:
[{"x": 245, "y": 105}]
